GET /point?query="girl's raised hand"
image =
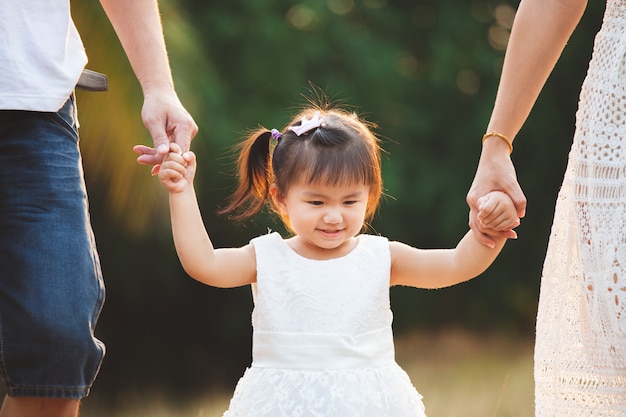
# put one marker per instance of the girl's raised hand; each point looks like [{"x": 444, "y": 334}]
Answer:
[
  {"x": 177, "y": 170},
  {"x": 497, "y": 213}
]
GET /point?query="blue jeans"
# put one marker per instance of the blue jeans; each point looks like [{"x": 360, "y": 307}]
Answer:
[{"x": 51, "y": 288}]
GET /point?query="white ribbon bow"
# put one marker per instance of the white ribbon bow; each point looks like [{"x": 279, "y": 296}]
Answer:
[{"x": 307, "y": 125}]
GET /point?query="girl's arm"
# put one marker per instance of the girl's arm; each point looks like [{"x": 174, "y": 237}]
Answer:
[
  {"x": 539, "y": 34},
  {"x": 230, "y": 267},
  {"x": 437, "y": 268}
]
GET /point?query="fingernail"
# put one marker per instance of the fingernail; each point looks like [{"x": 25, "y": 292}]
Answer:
[
  {"x": 162, "y": 148},
  {"x": 155, "y": 170}
]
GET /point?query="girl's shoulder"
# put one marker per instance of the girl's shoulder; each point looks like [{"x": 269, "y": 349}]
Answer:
[
  {"x": 267, "y": 238},
  {"x": 271, "y": 243},
  {"x": 374, "y": 246},
  {"x": 373, "y": 240}
]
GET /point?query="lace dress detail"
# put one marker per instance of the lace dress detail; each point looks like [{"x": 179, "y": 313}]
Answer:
[
  {"x": 322, "y": 342},
  {"x": 580, "y": 353}
]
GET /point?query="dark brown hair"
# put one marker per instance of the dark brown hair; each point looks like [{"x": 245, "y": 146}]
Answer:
[{"x": 343, "y": 150}]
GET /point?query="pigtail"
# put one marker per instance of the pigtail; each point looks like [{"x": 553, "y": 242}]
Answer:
[{"x": 255, "y": 176}]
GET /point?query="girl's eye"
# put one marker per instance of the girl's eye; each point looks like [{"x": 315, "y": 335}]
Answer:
[
  {"x": 350, "y": 203},
  {"x": 315, "y": 203}
]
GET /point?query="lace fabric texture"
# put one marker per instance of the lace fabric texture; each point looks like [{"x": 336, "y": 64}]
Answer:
[
  {"x": 580, "y": 353},
  {"x": 308, "y": 304}
]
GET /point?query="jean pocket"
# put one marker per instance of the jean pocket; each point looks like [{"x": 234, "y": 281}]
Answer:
[{"x": 67, "y": 116}]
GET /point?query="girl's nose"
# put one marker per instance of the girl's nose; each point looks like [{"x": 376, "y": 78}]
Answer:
[{"x": 332, "y": 216}]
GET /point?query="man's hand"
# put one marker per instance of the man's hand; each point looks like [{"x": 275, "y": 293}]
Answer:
[{"x": 168, "y": 122}]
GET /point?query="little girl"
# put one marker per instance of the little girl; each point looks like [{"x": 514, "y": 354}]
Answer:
[{"x": 322, "y": 342}]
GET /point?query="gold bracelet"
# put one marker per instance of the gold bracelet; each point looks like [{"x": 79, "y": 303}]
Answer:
[{"x": 501, "y": 136}]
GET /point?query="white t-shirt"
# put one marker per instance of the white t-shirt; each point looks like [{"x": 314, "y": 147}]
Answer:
[{"x": 41, "y": 54}]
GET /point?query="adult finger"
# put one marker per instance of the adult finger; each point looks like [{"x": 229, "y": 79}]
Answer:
[
  {"x": 184, "y": 131},
  {"x": 147, "y": 155}
]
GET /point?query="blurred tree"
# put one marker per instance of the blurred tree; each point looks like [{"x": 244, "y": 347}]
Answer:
[{"x": 111, "y": 122}]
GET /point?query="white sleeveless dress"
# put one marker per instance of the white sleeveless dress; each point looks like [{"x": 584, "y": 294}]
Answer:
[
  {"x": 322, "y": 342},
  {"x": 580, "y": 353}
]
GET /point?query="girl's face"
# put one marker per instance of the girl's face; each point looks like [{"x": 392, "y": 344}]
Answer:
[{"x": 324, "y": 217}]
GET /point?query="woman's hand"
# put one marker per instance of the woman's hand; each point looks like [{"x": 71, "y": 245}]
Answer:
[{"x": 495, "y": 172}]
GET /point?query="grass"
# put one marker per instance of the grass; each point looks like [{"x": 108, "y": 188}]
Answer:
[
  {"x": 469, "y": 375},
  {"x": 459, "y": 374}
]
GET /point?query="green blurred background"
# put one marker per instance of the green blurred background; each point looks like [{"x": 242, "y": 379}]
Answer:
[{"x": 425, "y": 71}]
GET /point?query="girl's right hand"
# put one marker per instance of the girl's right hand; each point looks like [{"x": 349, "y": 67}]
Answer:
[{"x": 177, "y": 170}]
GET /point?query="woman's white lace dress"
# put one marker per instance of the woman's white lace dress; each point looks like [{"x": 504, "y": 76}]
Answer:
[
  {"x": 580, "y": 354},
  {"x": 322, "y": 342}
]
